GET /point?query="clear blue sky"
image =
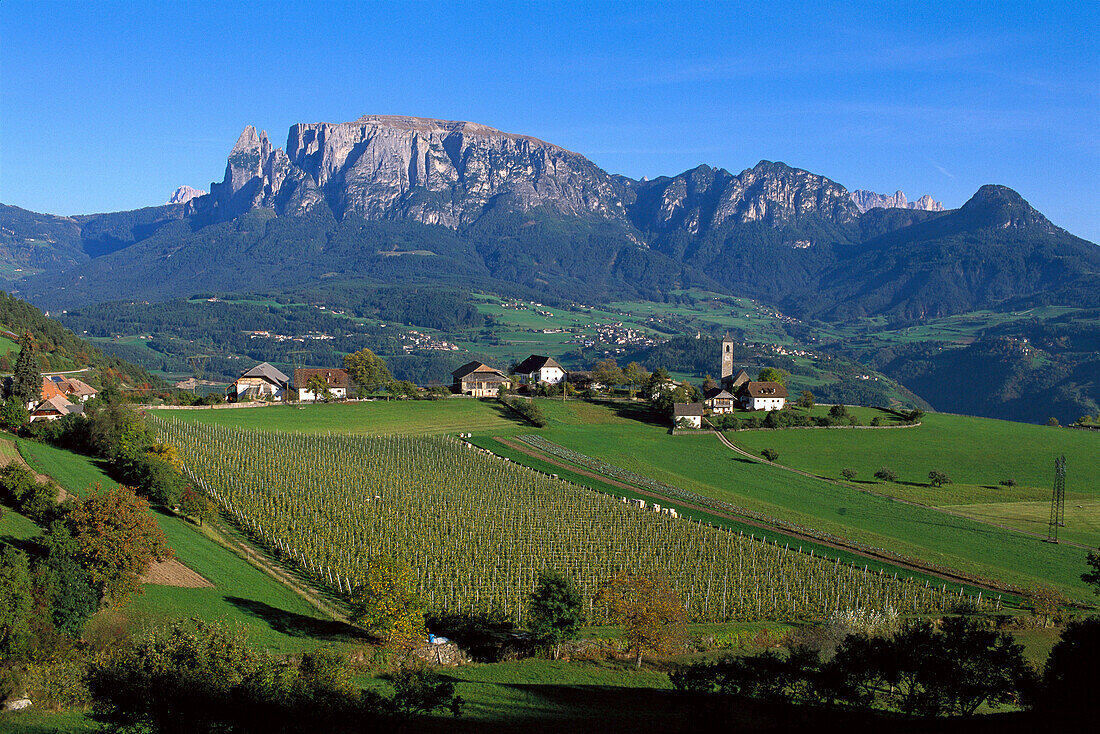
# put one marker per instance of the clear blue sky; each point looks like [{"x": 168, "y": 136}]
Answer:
[{"x": 107, "y": 106}]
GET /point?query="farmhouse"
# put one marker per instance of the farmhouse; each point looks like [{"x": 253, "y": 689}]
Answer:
[
  {"x": 337, "y": 381},
  {"x": 690, "y": 412},
  {"x": 480, "y": 380},
  {"x": 536, "y": 369},
  {"x": 55, "y": 407},
  {"x": 719, "y": 400},
  {"x": 262, "y": 381},
  {"x": 73, "y": 389},
  {"x": 762, "y": 396}
]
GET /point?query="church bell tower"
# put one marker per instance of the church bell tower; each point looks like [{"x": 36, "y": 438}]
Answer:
[{"x": 727, "y": 358}]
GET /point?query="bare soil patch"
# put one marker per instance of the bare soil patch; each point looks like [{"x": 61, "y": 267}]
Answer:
[{"x": 174, "y": 573}]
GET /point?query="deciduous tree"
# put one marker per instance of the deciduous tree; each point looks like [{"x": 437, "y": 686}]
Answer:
[
  {"x": 805, "y": 400},
  {"x": 648, "y": 609},
  {"x": 117, "y": 539},
  {"x": 554, "y": 609},
  {"x": 772, "y": 374},
  {"x": 319, "y": 387},
  {"x": 368, "y": 371},
  {"x": 387, "y": 603}
]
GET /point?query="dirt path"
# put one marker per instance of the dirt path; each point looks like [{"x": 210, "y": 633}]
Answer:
[
  {"x": 760, "y": 460},
  {"x": 938, "y": 573}
]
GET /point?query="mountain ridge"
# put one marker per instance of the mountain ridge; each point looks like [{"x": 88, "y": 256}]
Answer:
[{"x": 513, "y": 211}]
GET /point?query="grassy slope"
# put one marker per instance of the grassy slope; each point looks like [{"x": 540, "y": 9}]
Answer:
[
  {"x": 701, "y": 464},
  {"x": 977, "y": 453},
  {"x": 618, "y": 433},
  {"x": 276, "y": 618}
]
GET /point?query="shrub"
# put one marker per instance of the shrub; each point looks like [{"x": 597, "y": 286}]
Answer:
[
  {"x": 848, "y": 473},
  {"x": 770, "y": 454},
  {"x": 886, "y": 474},
  {"x": 1010, "y": 482},
  {"x": 876, "y": 421}
]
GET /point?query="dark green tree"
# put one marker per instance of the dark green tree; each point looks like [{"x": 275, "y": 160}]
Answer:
[
  {"x": 1069, "y": 676},
  {"x": 886, "y": 474},
  {"x": 554, "y": 610},
  {"x": 805, "y": 400},
  {"x": 26, "y": 380},
  {"x": 16, "y": 603},
  {"x": 14, "y": 414},
  {"x": 848, "y": 473},
  {"x": 1092, "y": 576},
  {"x": 72, "y": 595},
  {"x": 938, "y": 478},
  {"x": 418, "y": 690}
]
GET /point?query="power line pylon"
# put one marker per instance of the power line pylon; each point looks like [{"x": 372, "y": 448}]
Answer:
[{"x": 1057, "y": 500}]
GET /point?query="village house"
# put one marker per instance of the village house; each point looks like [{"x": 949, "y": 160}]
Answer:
[
  {"x": 73, "y": 389},
  {"x": 537, "y": 369},
  {"x": 55, "y": 407},
  {"x": 261, "y": 382},
  {"x": 762, "y": 396},
  {"x": 336, "y": 379},
  {"x": 480, "y": 380},
  {"x": 719, "y": 400},
  {"x": 690, "y": 412}
]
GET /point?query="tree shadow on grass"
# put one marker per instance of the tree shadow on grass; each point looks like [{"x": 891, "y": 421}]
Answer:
[
  {"x": 31, "y": 546},
  {"x": 635, "y": 411},
  {"x": 299, "y": 625}
]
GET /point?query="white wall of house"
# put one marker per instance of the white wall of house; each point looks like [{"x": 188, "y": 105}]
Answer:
[
  {"x": 767, "y": 403},
  {"x": 338, "y": 393},
  {"x": 551, "y": 375},
  {"x": 696, "y": 421}
]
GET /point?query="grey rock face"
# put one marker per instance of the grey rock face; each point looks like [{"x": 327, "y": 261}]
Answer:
[
  {"x": 432, "y": 171},
  {"x": 870, "y": 200},
  {"x": 705, "y": 198},
  {"x": 185, "y": 194}
]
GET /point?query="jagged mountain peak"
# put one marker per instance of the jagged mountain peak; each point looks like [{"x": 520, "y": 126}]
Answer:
[
  {"x": 184, "y": 194},
  {"x": 867, "y": 200}
]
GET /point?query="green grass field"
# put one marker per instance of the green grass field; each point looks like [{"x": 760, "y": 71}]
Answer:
[
  {"x": 276, "y": 618},
  {"x": 455, "y": 415},
  {"x": 620, "y": 434},
  {"x": 977, "y": 453}
]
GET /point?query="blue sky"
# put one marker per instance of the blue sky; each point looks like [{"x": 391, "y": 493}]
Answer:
[{"x": 107, "y": 106}]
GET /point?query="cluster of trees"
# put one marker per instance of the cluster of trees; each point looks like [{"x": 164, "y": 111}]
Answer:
[
  {"x": 92, "y": 554},
  {"x": 950, "y": 667},
  {"x": 196, "y": 676}
]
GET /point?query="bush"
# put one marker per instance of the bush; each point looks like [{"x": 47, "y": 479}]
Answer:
[
  {"x": 1010, "y": 482},
  {"x": 770, "y": 454},
  {"x": 527, "y": 410},
  {"x": 876, "y": 421},
  {"x": 886, "y": 474},
  {"x": 848, "y": 474},
  {"x": 20, "y": 489}
]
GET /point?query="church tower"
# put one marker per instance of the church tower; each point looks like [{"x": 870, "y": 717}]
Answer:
[{"x": 727, "y": 358}]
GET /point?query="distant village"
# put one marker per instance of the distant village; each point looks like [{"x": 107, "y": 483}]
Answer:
[{"x": 535, "y": 375}]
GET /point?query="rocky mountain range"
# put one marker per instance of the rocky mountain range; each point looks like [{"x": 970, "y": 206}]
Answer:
[
  {"x": 409, "y": 168},
  {"x": 389, "y": 199},
  {"x": 865, "y": 200}
]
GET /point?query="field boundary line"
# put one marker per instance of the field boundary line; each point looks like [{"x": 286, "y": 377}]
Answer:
[
  {"x": 760, "y": 460},
  {"x": 943, "y": 574}
]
